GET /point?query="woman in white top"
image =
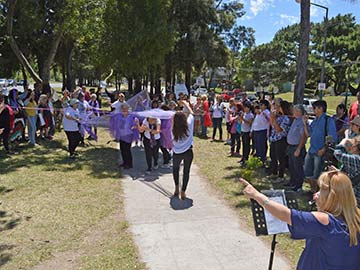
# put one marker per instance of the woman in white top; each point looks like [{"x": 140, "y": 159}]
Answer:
[
  {"x": 217, "y": 114},
  {"x": 182, "y": 131},
  {"x": 71, "y": 122},
  {"x": 151, "y": 129},
  {"x": 260, "y": 128}
]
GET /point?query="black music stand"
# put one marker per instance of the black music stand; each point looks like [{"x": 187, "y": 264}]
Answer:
[{"x": 259, "y": 218}]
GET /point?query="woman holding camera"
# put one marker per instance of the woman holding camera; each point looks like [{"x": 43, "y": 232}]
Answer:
[{"x": 332, "y": 233}]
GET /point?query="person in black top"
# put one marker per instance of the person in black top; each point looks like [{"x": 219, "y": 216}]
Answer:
[{"x": 4, "y": 123}]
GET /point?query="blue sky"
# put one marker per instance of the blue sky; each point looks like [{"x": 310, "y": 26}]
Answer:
[{"x": 268, "y": 16}]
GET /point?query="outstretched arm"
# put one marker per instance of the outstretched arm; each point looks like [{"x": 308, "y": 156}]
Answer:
[{"x": 276, "y": 209}]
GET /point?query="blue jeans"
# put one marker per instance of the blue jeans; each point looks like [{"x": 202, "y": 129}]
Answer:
[
  {"x": 296, "y": 166},
  {"x": 32, "y": 129},
  {"x": 260, "y": 142},
  {"x": 217, "y": 124},
  {"x": 313, "y": 166}
]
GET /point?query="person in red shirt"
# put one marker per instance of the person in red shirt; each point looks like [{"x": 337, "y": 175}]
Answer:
[
  {"x": 86, "y": 93},
  {"x": 354, "y": 109}
]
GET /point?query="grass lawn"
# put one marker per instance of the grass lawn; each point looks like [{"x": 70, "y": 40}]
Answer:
[{"x": 57, "y": 210}]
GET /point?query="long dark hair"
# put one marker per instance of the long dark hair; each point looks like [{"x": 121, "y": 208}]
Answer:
[{"x": 180, "y": 128}]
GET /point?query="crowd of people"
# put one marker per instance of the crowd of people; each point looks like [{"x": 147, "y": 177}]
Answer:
[{"x": 267, "y": 125}]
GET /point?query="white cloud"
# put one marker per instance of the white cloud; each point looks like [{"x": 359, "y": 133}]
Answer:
[
  {"x": 246, "y": 17},
  {"x": 257, "y": 6},
  {"x": 287, "y": 20}
]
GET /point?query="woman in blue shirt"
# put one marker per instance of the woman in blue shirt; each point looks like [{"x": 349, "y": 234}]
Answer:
[{"x": 332, "y": 233}]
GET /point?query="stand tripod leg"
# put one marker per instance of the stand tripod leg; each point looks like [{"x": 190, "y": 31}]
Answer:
[{"x": 273, "y": 244}]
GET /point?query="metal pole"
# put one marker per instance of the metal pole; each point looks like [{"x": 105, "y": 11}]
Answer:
[
  {"x": 273, "y": 244},
  {"x": 347, "y": 84},
  {"x": 322, "y": 77}
]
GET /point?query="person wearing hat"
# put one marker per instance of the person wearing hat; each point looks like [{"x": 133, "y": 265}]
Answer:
[
  {"x": 296, "y": 151},
  {"x": 323, "y": 126},
  {"x": 71, "y": 121},
  {"x": 347, "y": 152},
  {"x": 354, "y": 129}
]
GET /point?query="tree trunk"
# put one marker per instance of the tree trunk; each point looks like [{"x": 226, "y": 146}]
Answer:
[
  {"x": 205, "y": 82},
  {"x": 26, "y": 84},
  {"x": 69, "y": 51},
  {"x": 130, "y": 85},
  {"x": 188, "y": 74},
  {"x": 173, "y": 80},
  {"x": 211, "y": 77},
  {"x": 137, "y": 84},
  {"x": 45, "y": 75},
  {"x": 303, "y": 52},
  {"x": 152, "y": 83},
  {"x": 168, "y": 69}
]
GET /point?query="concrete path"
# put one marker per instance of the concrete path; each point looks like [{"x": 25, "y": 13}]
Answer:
[{"x": 198, "y": 233}]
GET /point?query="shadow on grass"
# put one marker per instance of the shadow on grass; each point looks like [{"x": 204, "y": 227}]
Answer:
[
  {"x": 100, "y": 162},
  {"x": 7, "y": 222}
]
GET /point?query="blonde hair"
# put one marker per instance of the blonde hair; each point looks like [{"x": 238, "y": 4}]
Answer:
[{"x": 337, "y": 197}]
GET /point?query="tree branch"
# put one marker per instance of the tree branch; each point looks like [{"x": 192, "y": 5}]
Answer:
[{"x": 21, "y": 57}]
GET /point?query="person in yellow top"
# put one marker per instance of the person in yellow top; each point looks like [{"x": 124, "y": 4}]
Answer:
[{"x": 31, "y": 112}]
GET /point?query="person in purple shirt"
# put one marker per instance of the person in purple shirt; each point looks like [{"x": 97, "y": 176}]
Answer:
[{"x": 332, "y": 233}]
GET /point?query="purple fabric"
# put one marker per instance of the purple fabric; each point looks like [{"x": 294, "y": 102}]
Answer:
[
  {"x": 124, "y": 128},
  {"x": 166, "y": 134},
  {"x": 155, "y": 113},
  {"x": 132, "y": 102}
]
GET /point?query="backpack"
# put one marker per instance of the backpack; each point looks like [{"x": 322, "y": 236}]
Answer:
[{"x": 12, "y": 117}]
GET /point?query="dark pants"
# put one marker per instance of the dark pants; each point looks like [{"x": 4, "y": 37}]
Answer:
[
  {"x": 151, "y": 152},
  {"x": 125, "y": 149},
  {"x": 177, "y": 158},
  {"x": 203, "y": 128},
  {"x": 278, "y": 157},
  {"x": 166, "y": 155},
  {"x": 74, "y": 138},
  {"x": 260, "y": 142},
  {"x": 246, "y": 145},
  {"x": 217, "y": 124},
  {"x": 5, "y": 138},
  {"x": 296, "y": 166},
  {"x": 235, "y": 139}
]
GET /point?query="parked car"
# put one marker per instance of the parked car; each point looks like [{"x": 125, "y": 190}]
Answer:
[
  {"x": 227, "y": 95},
  {"x": 237, "y": 91},
  {"x": 3, "y": 83},
  {"x": 308, "y": 105},
  {"x": 349, "y": 94},
  {"x": 21, "y": 82},
  {"x": 201, "y": 91},
  {"x": 11, "y": 82}
]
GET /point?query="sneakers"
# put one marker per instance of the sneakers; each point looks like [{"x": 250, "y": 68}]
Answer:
[
  {"x": 148, "y": 171},
  {"x": 156, "y": 167}
]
